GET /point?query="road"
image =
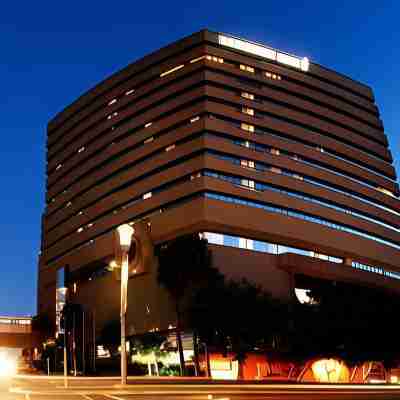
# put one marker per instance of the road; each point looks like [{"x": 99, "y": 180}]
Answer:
[{"x": 43, "y": 388}]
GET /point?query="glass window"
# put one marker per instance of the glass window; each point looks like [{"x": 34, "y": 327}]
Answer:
[
  {"x": 214, "y": 238},
  {"x": 232, "y": 241}
]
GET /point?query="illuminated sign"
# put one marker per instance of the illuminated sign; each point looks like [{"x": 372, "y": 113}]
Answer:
[{"x": 265, "y": 52}]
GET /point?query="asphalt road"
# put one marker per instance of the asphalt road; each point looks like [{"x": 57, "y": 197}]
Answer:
[{"x": 42, "y": 388}]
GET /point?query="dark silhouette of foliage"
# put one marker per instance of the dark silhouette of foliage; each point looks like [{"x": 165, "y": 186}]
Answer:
[
  {"x": 184, "y": 264},
  {"x": 110, "y": 336},
  {"x": 42, "y": 324},
  {"x": 237, "y": 316},
  {"x": 353, "y": 322}
]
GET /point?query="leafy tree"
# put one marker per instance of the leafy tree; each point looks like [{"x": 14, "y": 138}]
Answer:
[
  {"x": 149, "y": 343},
  {"x": 352, "y": 322},
  {"x": 184, "y": 264},
  {"x": 237, "y": 316},
  {"x": 110, "y": 336},
  {"x": 42, "y": 324}
]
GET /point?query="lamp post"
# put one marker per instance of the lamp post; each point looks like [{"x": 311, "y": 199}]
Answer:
[{"x": 125, "y": 233}]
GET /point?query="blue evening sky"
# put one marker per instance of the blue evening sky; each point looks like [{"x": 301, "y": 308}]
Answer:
[{"x": 51, "y": 52}]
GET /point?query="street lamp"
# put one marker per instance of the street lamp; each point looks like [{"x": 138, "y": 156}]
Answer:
[{"x": 125, "y": 233}]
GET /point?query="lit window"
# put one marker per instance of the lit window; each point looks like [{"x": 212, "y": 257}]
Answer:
[
  {"x": 246, "y": 243},
  {"x": 214, "y": 238},
  {"x": 215, "y": 59},
  {"x": 247, "y": 95},
  {"x": 89, "y": 225},
  {"x": 299, "y": 177},
  {"x": 247, "y": 163},
  {"x": 320, "y": 149},
  {"x": 113, "y": 101},
  {"x": 194, "y": 176},
  {"x": 148, "y": 124},
  {"x": 276, "y": 170},
  {"x": 58, "y": 166},
  {"x": 197, "y": 59},
  {"x": 79, "y": 230},
  {"x": 169, "y": 148},
  {"x": 75, "y": 287},
  {"x": 247, "y": 68},
  {"x": 275, "y": 152},
  {"x": 69, "y": 204},
  {"x": 114, "y": 114},
  {"x": 248, "y": 183},
  {"x": 270, "y": 75},
  {"x": 147, "y": 195},
  {"x": 247, "y": 127},
  {"x": 80, "y": 212},
  {"x": 81, "y": 149},
  {"x": 148, "y": 140},
  {"x": 170, "y": 71},
  {"x": 320, "y": 256},
  {"x": 129, "y": 92},
  {"x": 248, "y": 111},
  {"x": 194, "y": 119}
]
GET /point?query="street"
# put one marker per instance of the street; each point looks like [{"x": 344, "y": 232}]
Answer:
[{"x": 44, "y": 388}]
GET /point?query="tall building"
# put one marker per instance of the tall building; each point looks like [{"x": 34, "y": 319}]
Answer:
[{"x": 282, "y": 164}]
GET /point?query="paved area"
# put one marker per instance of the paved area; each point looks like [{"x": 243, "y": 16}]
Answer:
[{"x": 43, "y": 388}]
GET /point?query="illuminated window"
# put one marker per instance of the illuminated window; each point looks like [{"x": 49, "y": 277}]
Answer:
[
  {"x": 69, "y": 204},
  {"x": 169, "y": 148},
  {"x": 246, "y": 243},
  {"x": 247, "y": 127},
  {"x": 79, "y": 230},
  {"x": 247, "y": 163},
  {"x": 170, "y": 71},
  {"x": 271, "y": 75},
  {"x": 194, "y": 119},
  {"x": 197, "y": 59},
  {"x": 81, "y": 149},
  {"x": 248, "y": 183},
  {"x": 248, "y": 111},
  {"x": 129, "y": 92},
  {"x": 247, "y": 95},
  {"x": 275, "y": 152},
  {"x": 194, "y": 176},
  {"x": 320, "y": 149},
  {"x": 113, "y": 101},
  {"x": 147, "y": 195},
  {"x": 215, "y": 59},
  {"x": 148, "y": 140},
  {"x": 114, "y": 114},
  {"x": 247, "y": 68},
  {"x": 58, "y": 167},
  {"x": 148, "y": 124},
  {"x": 276, "y": 170},
  {"x": 299, "y": 177}
]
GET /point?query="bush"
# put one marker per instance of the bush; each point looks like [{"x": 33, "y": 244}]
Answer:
[{"x": 172, "y": 370}]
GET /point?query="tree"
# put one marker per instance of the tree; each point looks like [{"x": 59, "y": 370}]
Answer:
[
  {"x": 110, "y": 336},
  {"x": 351, "y": 322},
  {"x": 237, "y": 316},
  {"x": 149, "y": 344},
  {"x": 184, "y": 264},
  {"x": 42, "y": 325}
]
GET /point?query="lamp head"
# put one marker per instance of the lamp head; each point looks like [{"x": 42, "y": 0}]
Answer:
[{"x": 125, "y": 233}]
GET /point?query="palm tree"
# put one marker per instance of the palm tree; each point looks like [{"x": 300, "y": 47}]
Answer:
[{"x": 184, "y": 264}]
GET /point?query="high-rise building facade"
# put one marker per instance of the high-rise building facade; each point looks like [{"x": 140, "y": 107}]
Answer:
[{"x": 282, "y": 164}]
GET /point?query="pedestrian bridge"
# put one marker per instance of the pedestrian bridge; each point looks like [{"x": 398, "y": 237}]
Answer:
[{"x": 16, "y": 332}]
